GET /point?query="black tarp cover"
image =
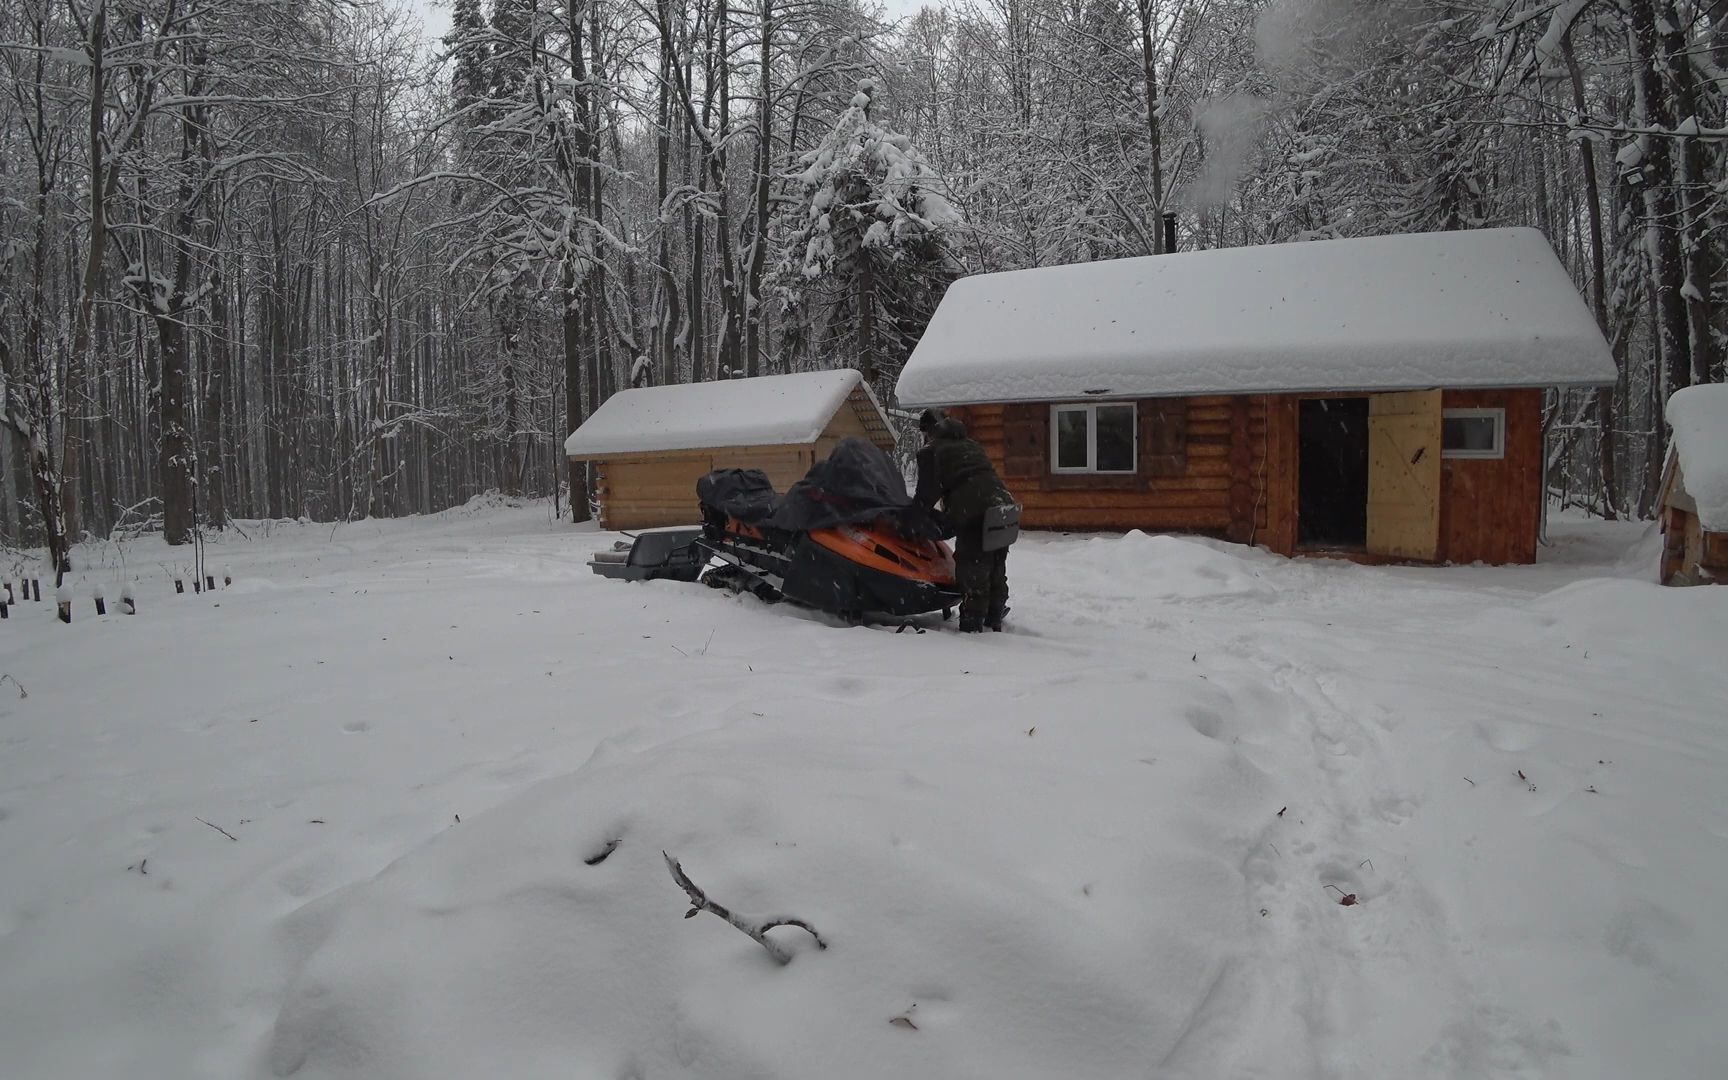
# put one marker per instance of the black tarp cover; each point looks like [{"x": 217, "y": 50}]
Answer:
[
  {"x": 746, "y": 494},
  {"x": 857, "y": 484}
]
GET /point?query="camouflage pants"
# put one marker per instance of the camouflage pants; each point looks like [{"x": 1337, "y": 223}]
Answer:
[{"x": 983, "y": 580}]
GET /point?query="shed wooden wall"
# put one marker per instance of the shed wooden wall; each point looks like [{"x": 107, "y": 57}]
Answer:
[
  {"x": 1202, "y": 468},
  {"x": 1227, "y": 466},
  {"x": 649, "y": 490},
  {"x": 645, "y": 491}
]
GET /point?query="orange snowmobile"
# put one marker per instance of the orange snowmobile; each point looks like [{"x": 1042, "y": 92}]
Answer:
[{"x": 847, "y": 539}]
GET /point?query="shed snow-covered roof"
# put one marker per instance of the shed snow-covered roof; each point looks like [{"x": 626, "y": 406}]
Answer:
[
  {"x": 1485, "y": 308},
  {"x": 771, "y": 410},
  {"x": 1699, "y": 417}
]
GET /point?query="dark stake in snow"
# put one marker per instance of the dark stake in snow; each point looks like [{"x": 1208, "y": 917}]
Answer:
[{"x": 756, "y": 927}]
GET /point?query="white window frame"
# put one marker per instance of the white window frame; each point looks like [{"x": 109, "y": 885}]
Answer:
[
  {"x": 1497, "y": 451},
  {"x": 1091, "y": 411}
]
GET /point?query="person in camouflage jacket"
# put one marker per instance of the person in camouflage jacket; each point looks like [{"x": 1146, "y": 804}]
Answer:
[{"x": 956, "y": 470}]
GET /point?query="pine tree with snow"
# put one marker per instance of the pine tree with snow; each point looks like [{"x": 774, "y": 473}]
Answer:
[
  {"x": 869, "y": 241},
  {"x": 471, "y": 56}
]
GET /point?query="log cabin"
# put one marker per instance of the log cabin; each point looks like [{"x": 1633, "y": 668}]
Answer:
[
  {"x": 648, "y": 446},
  {"x": 1694, "y": 503},
  {"x": 1379, "y": 399}
]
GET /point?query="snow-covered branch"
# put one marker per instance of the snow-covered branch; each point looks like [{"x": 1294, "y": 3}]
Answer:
[{"x": 756, "y": 927}]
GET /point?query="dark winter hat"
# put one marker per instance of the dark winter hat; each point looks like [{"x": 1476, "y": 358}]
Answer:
[{"x": 929, "y": 419}]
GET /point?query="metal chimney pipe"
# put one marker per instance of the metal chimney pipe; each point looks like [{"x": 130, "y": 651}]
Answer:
[{"x": 1169, "y": 231}]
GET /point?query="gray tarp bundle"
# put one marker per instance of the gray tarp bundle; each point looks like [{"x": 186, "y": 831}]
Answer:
[
  {"x": 857, "y": 484},
  {"x": 746, "y": 494}
]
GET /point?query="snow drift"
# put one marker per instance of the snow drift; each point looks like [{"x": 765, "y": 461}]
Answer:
[{"x": 1028, "y": 910}]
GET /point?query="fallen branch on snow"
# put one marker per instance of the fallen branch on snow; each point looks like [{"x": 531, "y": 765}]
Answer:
[
  {"x": 223, "y": 831},
  {"x": 756, "y": 928}
]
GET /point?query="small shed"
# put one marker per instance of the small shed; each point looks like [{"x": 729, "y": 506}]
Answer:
[
  {"x": 1376, "y": 398},
  {"x": 649, "y": 445},
  {"x": 1695, "y": 488}
]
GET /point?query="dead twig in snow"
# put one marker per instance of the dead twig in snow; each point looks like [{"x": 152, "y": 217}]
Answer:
[
  {"x": 22, "y": 693},
  {"x": 756, "y": 928},
  {"x": 223, "y": 831}
]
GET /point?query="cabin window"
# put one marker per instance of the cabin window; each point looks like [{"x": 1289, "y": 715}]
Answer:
[
  {"x": 1473, "y": 433},
  {"x": 1093, "y": 438}
]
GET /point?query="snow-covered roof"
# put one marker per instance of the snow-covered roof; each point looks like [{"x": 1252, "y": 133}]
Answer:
[
  {"x": 1486, "y": 308},
  {"x": 1699, "y": 417},
  {"x": 770, "y": 410}
]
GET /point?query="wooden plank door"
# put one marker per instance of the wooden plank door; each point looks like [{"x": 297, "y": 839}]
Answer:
[{"x": 1404, "y": 474}]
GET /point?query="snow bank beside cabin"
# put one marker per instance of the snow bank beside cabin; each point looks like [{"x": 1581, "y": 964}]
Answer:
[
  {"x": 1699, "y": 417},
  {"x": 1158, "y": 566},
  {"x": 1484, "y": 308},
  {"x": 770, "y": 410}
]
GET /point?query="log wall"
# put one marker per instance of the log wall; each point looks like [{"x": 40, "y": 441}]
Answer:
[
  {"x": 1203, "y": 468},
  {"x": 658, "y": 488},
  {"x": 646, "y": 491},
  {"x": 1228, "y": 466}
]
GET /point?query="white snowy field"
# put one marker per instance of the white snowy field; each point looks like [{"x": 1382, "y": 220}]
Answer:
[{"x": 1111, "y": 843}]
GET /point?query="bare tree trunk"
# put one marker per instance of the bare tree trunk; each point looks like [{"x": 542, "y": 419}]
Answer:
[
  {"x": 866, "y": 314},
  {"x": 668, "y": 315},
  {"x": 1148, "y": 11},
  {"x": 1694, "y": 195},
  {"x": 1661, "y": 218},
  {"x": 571, "y": 322},
  {"x": 96, "y": 240},
  {"x": 1598, "y": 280},
  {"x": 216, "y": 359},
  {"x": 757, "y": 256}
]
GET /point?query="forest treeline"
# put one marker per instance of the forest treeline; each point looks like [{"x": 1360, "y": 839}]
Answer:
[{"x": 288, "y": 258}]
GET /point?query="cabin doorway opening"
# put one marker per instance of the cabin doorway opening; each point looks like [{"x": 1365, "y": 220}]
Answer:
[{"x": 1332, "y": 474}]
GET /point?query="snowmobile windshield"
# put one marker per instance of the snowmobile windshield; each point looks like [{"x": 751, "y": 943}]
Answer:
[
  {"x": 745, "y": 494},
  {"x": 857, "y": 484}
]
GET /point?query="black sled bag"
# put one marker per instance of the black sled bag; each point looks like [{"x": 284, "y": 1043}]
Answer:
[{"x": 1001, "y": 526}]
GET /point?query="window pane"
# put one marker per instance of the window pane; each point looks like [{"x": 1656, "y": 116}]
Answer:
[
  {"x": 1115, "y": 438},
  {"x": 1469, "y": 433},
  {"x": 1071, "y": 439}
]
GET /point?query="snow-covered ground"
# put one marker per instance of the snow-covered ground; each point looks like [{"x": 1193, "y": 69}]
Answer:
[{"x": 1111, "y": 843}]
